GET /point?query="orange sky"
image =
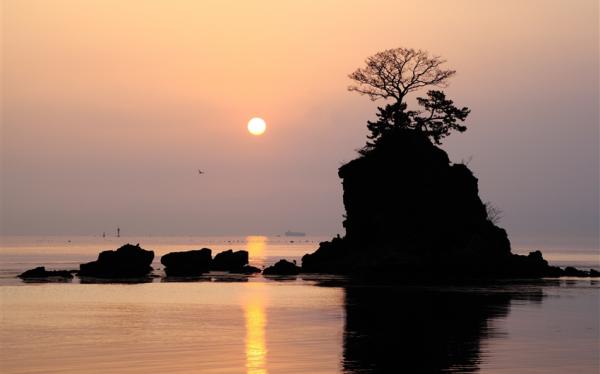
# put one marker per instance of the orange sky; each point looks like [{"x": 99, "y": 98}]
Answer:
[{"x": 110, "y": 107}]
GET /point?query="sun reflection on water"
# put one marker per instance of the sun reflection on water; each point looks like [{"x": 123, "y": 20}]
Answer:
[
  {"x": 256, "y": 249},
  {"x": 256, "y": 347}
]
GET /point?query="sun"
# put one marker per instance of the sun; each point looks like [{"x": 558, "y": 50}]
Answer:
[{"x": 257, "y": 126}]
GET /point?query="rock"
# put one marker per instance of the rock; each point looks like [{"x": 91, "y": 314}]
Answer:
[
  {"x": 230, "y": 261},
  {"x": 410, "y": 212},
  {"x": 41, "y": 272},
  {"x": 408, "y": 207},
  {"x": 573, "y": 272},
  {"x": 332, "y": 257},
  {"x": 129, "y": 261},
  {"x": 187, "y": 263},
  {"x": 250, "y": 270},
  {"x": 594, "y": 273},
  {"x": 531, "y": 266},
  {"x": 282, "y": 267}
]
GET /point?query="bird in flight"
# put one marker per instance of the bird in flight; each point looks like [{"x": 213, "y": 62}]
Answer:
[{"x": 200, "y": 172}]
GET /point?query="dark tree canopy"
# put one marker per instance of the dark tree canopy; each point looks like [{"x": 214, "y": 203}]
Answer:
[
  {"x": 440, "y": 116},
  {"x": 391, "y": 75}
]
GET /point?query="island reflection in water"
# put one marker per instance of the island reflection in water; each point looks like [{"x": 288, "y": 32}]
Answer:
[
  {"x": 301, "y": 326},
  {"x": 420, "y": 330}
]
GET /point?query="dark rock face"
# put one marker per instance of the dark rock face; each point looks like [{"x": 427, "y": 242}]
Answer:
[
  {"x": 405, "y": 192},
  {"x": 129, "y": 261},
  {"x": 250, "y": 270},
  {"x": 188, "y": 263},
  {"x": 335, "y": 256},
  {"x": 196, "y": 262},
  {"x": 282, "y": 267},
  {"x": 41, "y": 272},
  {"x": 230, "y": 261},
  {"x": 570, "y": 271},
  {"x": 409, "y": 212}
]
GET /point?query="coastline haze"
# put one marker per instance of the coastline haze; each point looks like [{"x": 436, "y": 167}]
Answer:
[{"x": 107, "y": 115}]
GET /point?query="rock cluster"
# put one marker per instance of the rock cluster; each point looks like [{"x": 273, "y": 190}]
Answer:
[
  {"x": 196, "y": 262},
  {"x": 132, "y": 261}
]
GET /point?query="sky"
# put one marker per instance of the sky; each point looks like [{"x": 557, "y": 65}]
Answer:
[{"x": 109, "y": 108}]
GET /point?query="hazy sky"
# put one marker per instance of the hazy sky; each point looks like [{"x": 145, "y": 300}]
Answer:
[{"x": 110, "y": 107}]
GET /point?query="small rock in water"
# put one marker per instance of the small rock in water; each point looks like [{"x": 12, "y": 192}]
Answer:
[
  {"x": 41, "y": 272},
  {"x": 282, "y": 267}
]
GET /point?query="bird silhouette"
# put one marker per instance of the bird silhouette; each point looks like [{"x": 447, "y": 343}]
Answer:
[{"x": 200, "y": 172}]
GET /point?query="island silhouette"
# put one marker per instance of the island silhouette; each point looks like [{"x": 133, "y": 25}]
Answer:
[{"x": 410, "y": 212}]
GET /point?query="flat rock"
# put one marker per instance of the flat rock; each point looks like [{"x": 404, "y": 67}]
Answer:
[
  {"x": 41, "y": 272},
  {"x": 187, "y": 263}
]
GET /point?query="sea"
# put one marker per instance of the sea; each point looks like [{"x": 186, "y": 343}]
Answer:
[{"x": 223, "y": 323}]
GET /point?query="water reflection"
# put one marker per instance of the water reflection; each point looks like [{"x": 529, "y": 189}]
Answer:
[
  {"x": 402, "y": 329},
  {"x": 256, "y": 347},
  {"x": 257, "y": 249}
]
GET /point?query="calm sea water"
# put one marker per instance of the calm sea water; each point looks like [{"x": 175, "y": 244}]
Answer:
[{"x": 226, "y": 324}]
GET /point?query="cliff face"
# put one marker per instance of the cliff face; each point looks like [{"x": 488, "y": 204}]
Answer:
[
  {"x": 406, "y": 195},
  {"x": 410, "y": 210}
]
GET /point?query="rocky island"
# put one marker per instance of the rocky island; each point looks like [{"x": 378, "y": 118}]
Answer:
[{"x": 410, "y": 211}]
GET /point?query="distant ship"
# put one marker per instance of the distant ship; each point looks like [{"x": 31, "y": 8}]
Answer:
[{"x": 295, "y": 233}]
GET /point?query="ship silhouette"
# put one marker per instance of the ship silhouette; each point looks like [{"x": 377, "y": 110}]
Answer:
[{"x": 294, "y": 233}]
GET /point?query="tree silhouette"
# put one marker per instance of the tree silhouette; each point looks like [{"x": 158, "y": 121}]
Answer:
[
  {"x": 394, "y": 73},
  {"x": 440, "y": 116},
  {"x": 390, "y": 117}
]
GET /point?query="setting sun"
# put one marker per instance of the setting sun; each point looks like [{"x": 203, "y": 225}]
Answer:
[{"x": 257, "y": 126}]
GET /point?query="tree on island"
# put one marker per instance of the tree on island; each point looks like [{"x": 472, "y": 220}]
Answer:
[
  {"x": 411, "y": 213},
  {"x": 394, "y": 73}
]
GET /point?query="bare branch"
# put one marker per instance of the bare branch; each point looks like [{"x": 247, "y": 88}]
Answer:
[{"x": 393, "y": 73}]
